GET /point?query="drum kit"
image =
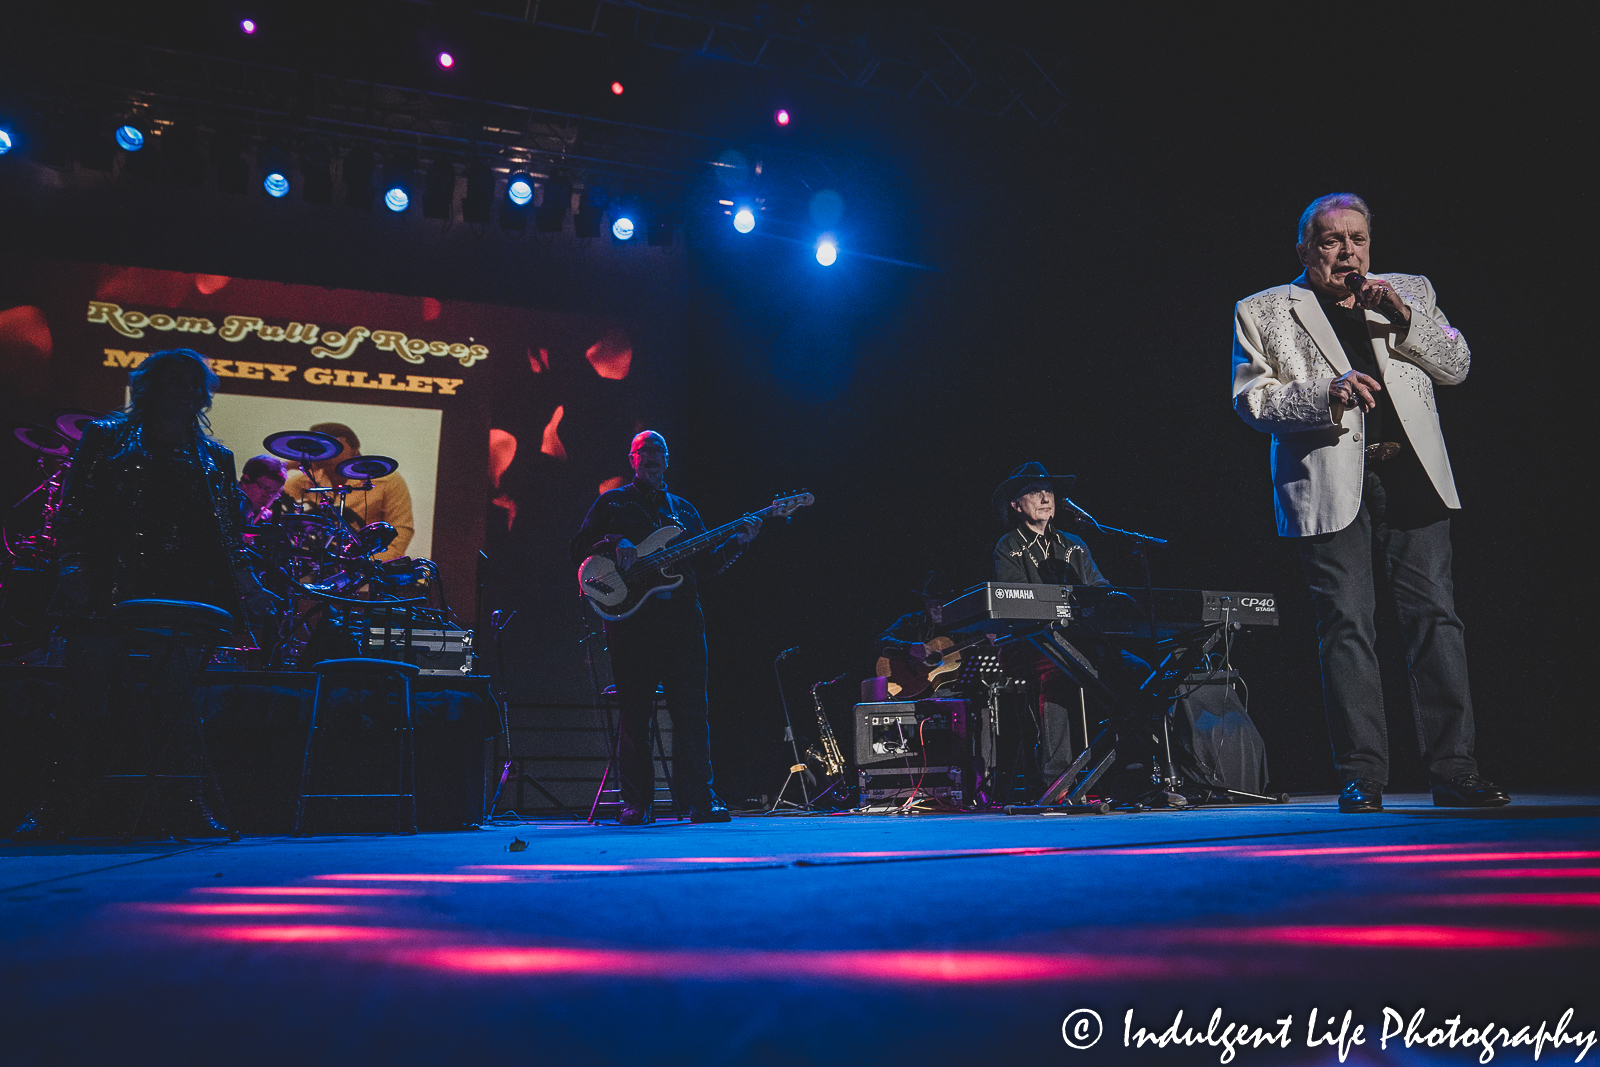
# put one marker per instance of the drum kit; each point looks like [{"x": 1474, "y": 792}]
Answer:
[{"x": 316, "y": 555}]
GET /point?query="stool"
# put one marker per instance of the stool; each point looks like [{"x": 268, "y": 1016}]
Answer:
[
  {"x": 612, "y": 797},
  {"x": 175, "y": 624},
  {"x": 376, "y": 671}
]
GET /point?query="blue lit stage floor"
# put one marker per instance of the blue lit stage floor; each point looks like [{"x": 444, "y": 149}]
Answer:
[{"x": 813, "y": 939}]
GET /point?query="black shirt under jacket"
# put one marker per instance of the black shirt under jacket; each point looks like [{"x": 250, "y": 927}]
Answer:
[
  {"x": 1350, "y": 327},
  {"x": 1050, "y": 558},
  {"x": 913, "y": 628},
  {"x": 635, "y": 512}
]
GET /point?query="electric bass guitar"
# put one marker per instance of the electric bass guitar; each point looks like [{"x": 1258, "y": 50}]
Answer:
[{"x": 615, "y": 593}]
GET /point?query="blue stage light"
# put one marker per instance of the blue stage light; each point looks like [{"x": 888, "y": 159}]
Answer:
[
  {"x": 276, "y": 183},
  {"x": 622, "y": 229},
  {"x": 744, "y": 220},
  {"x": 130, "y": 138},
  {"x": 519, "y": 189},
  {"x": 396, "y": 199},
  {"x": 5, "y": 142},
  {"x": 827, "y": 251}
]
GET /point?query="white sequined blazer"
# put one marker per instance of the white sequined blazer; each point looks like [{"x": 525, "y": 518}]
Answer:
[{"x": 1285, "y": 355}]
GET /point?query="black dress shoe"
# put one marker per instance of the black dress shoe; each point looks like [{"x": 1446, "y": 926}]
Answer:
[
  {"x": 1359, "y": 795},
  {"x": 634, "y": 816},
  {"x": 198, "y": 814},
  {"x": 709, "y": 810},
  {"x": 1469, "y": 791}
]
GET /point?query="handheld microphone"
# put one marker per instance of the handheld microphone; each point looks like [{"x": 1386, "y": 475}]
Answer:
[{"x": 1354, "y": 281}]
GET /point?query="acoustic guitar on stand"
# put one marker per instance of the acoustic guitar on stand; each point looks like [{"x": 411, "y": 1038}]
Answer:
[{"x": 615, "y": 593}]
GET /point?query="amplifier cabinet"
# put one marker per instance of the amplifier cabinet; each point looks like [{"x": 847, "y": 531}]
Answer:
[
  {"x": 938, "y": 731},
  {"x": 435, "y": 651},
  {"x": 898, "y": 783}
]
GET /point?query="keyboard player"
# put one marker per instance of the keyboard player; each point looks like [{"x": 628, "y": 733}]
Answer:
[{"x": 1034, "y": 551}]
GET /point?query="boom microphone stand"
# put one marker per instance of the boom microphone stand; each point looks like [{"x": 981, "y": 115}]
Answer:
[
  {"x": 498, "y": 621},
  {"x": 798, "y": 767}
]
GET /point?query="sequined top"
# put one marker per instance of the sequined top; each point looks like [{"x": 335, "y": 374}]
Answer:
[{"x": 143, "y": 518}]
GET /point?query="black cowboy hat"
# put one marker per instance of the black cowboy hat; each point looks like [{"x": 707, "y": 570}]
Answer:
[
  {"x": 936, "y": 586},
  {"x": 1023, "y": 476}
]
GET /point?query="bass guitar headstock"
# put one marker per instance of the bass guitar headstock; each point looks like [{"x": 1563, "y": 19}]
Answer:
[{"x": 785, "y": 505}]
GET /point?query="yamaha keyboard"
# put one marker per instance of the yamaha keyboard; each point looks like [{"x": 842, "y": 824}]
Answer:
[{"x": 1018, "y": 608}]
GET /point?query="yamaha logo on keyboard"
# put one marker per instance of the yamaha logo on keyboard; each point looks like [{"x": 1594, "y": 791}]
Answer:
[{"x": 1003, "y": 593}]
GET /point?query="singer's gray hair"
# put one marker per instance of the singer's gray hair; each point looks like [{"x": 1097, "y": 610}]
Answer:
[{"x": 1322, "y": 205}]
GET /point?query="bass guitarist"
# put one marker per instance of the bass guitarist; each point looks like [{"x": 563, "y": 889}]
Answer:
[{"x": 663, "y": 642}]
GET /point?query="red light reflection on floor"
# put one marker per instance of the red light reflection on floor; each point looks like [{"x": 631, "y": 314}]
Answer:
[
  {"x": 417, "y": 877},
  {"x": 1425, "y": 937},
  {"x": 256, "y": 908},
  {"x": 309, "y": 933},
  {"x": 549, "y": 867},
  {"x": 1481, "y": 857},
  {"x": 1514, "y": 900},
  {"x": 1345, "y": 850},
  {"x": 1526, "y": 872},
  {"x": 911, "y": 967},
  {"x": 304, "y": 891}
]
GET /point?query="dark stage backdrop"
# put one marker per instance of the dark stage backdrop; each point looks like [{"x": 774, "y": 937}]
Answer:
[{"x": 1069, "y": 302}]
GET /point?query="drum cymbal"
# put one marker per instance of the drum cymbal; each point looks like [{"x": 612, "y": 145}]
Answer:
[
  {"x": 368, "y": 467},
  {"x": 42, "y": 439},
  {"x": 69, "y": 423},
  {"x": 304, "y": 446}
]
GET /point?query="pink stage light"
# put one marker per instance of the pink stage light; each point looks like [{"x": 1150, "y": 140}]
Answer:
[
  {"x": 781, "y": 117},
  {"x": 550, "y": 867},
  {"x": 247, "y": 27},
  {"x": 445, "y": 60},
  {"x": 308, "y": 933},
  {"x": 616, "y": 88},
  {"x": 1482, "y": 857},
  {"x": 1345, "y": 850},
  {"x": 1507, "y": 900},
  {"x": 417, "y": 877},
  {"x": 1399, "y": 936},
  {"x": 852, "y": 966},
  {"x": 1526, "y": 872},
  {"x": 256, "y": 908},
  {"x": 305, "y": 891}
]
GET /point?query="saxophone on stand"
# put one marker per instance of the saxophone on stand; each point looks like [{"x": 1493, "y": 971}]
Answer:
[{"x": 828, "y": 759}]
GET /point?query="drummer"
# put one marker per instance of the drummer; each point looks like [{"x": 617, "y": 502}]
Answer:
[
  {"x": 389, "y": 499},
  {"x": 261, "y": 482}
]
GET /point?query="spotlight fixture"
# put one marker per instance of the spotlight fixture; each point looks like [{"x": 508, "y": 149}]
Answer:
[
  {"x": 827, "y": 251},
  {"x": 397, "y": 184},
  {"x": 744, "y": 220},
  {"x": 248, "y": 27},
  {"x": 274, "y": 171},
  {"x": 6, "y": 142},
  {"x": 616, "y": 88},
  {"x": 130, "y": 138},
  {"x": 440, "y": 191},
  {"x": 781, "y": 117},
  {"x": 622, "y": 228},
  {"x": 445, "y": 60},
  {"x": 519, "y": 188}
]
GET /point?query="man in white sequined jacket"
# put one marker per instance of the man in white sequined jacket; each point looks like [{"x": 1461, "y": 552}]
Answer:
[{"x": 1339, "y": 367}]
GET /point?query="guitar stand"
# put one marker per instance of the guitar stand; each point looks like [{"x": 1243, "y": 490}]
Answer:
[{"x": 800, "y": 770}]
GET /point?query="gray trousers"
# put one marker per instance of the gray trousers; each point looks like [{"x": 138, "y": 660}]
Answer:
[{"x": 1344, "y": 569}]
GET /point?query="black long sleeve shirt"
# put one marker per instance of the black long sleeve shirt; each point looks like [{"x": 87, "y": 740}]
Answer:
[
  {"x": 635, "y": 512},
  {"x": 1050, "y": 558}
]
